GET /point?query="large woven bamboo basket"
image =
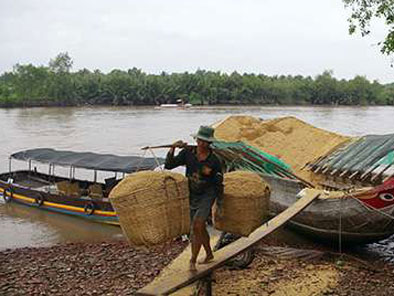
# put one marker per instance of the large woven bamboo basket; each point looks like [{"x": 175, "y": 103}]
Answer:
[
  {"x": 153, "y": 207},
  {"x": 245, "y": 205}
]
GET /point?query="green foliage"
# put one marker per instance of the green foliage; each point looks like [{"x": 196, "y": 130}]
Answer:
[
  {"x": 363, "y": 11},
  {"x": 388, "y": 94},
  {"x": 62, "y": 63},
  {"x": 28, "y": 85}
]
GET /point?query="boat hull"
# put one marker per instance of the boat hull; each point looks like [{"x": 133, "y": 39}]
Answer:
[
  {"x": 93, "y": 210},
  {"x": 347, "y": 219}
]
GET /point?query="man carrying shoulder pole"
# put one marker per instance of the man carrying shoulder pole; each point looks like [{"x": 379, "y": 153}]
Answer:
[{"x": 204, "y": 173}]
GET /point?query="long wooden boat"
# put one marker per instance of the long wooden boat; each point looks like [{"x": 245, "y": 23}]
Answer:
[
  {"x": 68, "y": 195},
  {"x": 358, "y": 217}
]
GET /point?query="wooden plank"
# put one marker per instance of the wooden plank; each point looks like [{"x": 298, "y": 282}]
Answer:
[
  {"x": 185, "y": 277},
  {"x": 179, "y": 263}
]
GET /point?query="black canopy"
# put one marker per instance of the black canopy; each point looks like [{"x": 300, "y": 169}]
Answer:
[{"x": 89, "y": 160}]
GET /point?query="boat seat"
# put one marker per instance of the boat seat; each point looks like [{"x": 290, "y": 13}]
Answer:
[
  {"x": 95, "y": 191},
  {"x": 68, "y": 188},
  {"x": 62, "y": 187}
]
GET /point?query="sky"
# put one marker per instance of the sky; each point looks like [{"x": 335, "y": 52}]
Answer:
[{"x": 271, "y": 37}]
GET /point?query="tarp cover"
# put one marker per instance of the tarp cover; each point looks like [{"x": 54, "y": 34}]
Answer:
[
  {"x": 240, "y": 156},
  {"x": 367, "y": 154},
  {"x": 89, "y": 160}
]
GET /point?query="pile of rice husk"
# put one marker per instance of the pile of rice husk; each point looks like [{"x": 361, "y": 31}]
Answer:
[
  {"x": 288, "y": 138},
  {"x": 153, "y": 207},
  {"x": 245, "y": 204}
]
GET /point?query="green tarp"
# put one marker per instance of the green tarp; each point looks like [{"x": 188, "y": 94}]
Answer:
[{"x": 240, "y": 156}]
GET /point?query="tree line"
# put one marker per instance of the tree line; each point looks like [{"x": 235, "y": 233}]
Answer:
[{"x": 56, "y": 85}]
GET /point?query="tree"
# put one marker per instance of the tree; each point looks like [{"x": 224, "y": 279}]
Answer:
[
  {"x": 61, "y": 87},
  {"x": 363, "y": 11},
  {"x": 30, "y": 83},
  {"x": 325, "y": 89},
  {"x": 62, "y": 63}
]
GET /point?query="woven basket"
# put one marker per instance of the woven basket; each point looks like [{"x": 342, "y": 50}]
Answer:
[
  {"x": 245, "y": 204},
  {"x": 153, "y": 207}
]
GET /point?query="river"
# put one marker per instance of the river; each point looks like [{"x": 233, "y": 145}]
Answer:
[{"x": 123, "y": 131}]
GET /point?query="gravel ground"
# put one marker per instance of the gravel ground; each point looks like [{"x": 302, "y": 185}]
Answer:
[
  {"x": 114, "y": 268},
  {"x": 82, "y": 269},
  {"x": 325, "y": 275}
]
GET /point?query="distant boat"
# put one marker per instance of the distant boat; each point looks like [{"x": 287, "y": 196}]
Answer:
[{"x": 174, "y": 106}]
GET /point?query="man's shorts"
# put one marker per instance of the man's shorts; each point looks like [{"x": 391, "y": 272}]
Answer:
[{"x": 200, "y": 205}]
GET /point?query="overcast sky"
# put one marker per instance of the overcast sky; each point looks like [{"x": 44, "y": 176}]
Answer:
[{"x": 272, "y": 37}]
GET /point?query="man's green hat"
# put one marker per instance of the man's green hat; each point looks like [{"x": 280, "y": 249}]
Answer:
[{"x": 205, "y": 133}]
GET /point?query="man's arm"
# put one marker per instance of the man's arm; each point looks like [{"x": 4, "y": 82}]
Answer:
[{"x": 175, "y": 161}]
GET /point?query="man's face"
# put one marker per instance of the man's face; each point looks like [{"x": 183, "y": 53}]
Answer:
[{"x": 202, "y": 143}]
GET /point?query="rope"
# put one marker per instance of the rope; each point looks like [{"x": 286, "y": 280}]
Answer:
[
  {"x": 340, "y": 227},
  {"x": 154, "y": 156},
  {"x": 143, "y": 158},
  {"x": 368, "y": 207},
  {"x": 141, "y": 161}
]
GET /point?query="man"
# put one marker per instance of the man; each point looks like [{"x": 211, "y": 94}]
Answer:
[{"x": 204, "y": 173}]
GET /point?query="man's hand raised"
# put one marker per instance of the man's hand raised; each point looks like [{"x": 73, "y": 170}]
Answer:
[{"x": 179, "y": 144}]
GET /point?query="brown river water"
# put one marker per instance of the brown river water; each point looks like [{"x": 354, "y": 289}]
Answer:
[{"x": 123, "y": 131}]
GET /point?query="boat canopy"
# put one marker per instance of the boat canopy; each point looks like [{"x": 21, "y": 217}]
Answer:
[
  {"x": 89, "y": 160},
  {"x": 368, "y": 157}
]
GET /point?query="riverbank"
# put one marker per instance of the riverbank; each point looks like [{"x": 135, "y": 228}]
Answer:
[
  {"x": 225, "y": 106},
  {"x": 114, "y": 268},
  {"x": 108, "y": 268}
]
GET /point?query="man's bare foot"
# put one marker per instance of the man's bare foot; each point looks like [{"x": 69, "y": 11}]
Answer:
[
  {"x": 207, "y": 259},
  {"x": 192, "y": 266}
]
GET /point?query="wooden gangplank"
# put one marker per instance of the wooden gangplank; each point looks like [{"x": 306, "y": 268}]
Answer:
[
  {"x": 179, "y": 263},
  {"x": 168, "y": 285}
]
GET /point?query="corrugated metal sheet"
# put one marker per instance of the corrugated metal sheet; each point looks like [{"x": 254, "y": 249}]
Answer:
[{"x": 370, "y": 157}]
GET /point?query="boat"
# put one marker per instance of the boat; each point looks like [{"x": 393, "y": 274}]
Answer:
[
  {"x": 360, "y": 216},
  {"x": 87, "y": 199},
  {"x": 179, "y": 105},
  {"x": 353, "y": 175},
  {"x": 167, "y": 106},
  {"x": 173, "y": 106}
]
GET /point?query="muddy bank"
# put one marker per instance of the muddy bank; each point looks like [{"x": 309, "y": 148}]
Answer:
[
  {"x": 82, "y": 269},
  {"x": 116, "y": 269}
]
